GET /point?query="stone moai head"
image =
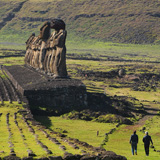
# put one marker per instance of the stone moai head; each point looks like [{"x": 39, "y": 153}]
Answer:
[{"x": 57, "y": 24}]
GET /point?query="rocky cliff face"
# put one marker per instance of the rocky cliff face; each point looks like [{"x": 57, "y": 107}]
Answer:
[{"x": 118, "y": 21}]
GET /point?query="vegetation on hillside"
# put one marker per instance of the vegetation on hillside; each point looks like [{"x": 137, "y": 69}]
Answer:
[{"x": 118, "y": 21}]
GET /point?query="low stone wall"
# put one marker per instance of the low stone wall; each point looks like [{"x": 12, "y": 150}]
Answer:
[
  {"x": 41, "y": 90},
  {"x": 107, "y": 156}
]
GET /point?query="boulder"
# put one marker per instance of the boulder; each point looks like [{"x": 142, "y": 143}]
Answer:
[
  {"x": 55, "y": 158},
  {"x": 43, "y": 158},
  {"x": 109, "y": 155},
  {"x": 88, "y": 158},
  {"x": 11, "y": 158},
  {"x": 27, "y": 158},
  {"x": 69, "y": 156}
]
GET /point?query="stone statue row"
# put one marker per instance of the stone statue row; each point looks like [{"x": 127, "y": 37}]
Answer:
[{"x": 47, "y": 52}]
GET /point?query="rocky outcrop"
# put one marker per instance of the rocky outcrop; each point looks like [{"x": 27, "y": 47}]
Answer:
[{"x": 11, "y": 15}]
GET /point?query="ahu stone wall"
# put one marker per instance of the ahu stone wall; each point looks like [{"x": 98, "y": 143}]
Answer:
[{"x": 62, "y": 95}]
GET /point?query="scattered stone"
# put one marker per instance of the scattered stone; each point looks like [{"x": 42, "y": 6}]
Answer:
[
  {"x": 62, "y": 147},
  {"x": 109, "y": 155},
  {"x": 121, "y": 72},
  {"x": 62, "y": 135},
  {"x": 64, "y": 131},
  {"x": 116, "y": 157},
  {"x": 49, "y": 152},
  {"x": 69, "y": 156},
  {"x": 43, "y": 158},
  {"x": 27, "y": 158},
  {"x": 75, "y": 147},
  {"x": 55, "y": 158},
  {"x": 83, "y": 151},
  {"x": 88, "y": 158},
  {"x": 12, "y": 154},
  {"x": 11, "y": 158},
  {"x": 30, "y": 153}
]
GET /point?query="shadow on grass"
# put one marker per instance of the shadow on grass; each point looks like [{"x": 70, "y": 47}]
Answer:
[
  {"x": 44, "y": 120},
  {"x": 98, "y": 104},
  {"x": 152, "y": 111}
]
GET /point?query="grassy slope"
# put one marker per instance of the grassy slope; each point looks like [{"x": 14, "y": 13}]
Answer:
[
  {"x": 118, "y": 21},
  {"x": 83, "y": 130},
  {"x": 24, "y": 139},
  {"x": 115, "y": 50},
  {"x": 118, "y": 141}
]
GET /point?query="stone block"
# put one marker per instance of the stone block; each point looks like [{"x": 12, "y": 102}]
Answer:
[{"x": 40, "y": 89}]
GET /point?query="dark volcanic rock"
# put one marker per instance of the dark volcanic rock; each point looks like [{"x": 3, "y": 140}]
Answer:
[
  {"x": 69, "y": 156},
  {"x": 27, "y": 158},
  {"x": 109, "y": 155},
  {"x": 11, "y": 158},
  {"x": 88, "y": 158},
  {"x": 55, "y": 158},
  {"x": 43, "y": 158}
]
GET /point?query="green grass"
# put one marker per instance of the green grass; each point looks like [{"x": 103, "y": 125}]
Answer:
[
  {"x": 4, "y": 109},
  {"x": 119, "y": 143},
  {"x": 124, "y": 51},
  {"x": 29, "y": 138},
  {"x": 141, "y": 95},
  {"x": 86, "y": 131},
  {"x": 12, "y": 61},
  {"x": 83, "y": 130},
  {"x": 7, "y": 45}
]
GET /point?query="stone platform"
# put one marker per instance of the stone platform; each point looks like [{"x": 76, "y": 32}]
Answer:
[{"x": 42, "y": 90}]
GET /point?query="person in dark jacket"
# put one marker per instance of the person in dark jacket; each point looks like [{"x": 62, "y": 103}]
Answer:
[
  {"x": 146, "y": 140},
  {"x": 134, "y": 142}
]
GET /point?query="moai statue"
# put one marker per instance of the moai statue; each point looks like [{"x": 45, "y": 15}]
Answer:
[
  {"x": 59, "y": 55},
  {"x": 50, "y": 54},
  {"x": 28, "y": 48},
  {"x": 34, "y": 51},
  {"x": 48, "y": 51},
  {"x": 28, "y": 42},
  {"x": 44, "y": 35}
]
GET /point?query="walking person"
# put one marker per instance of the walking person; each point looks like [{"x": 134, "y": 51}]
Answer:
[
  {"x": 134, "y": 142},
  {"x": 146, "y": 140}
]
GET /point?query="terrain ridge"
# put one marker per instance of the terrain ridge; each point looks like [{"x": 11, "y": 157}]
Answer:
[{"x": 122, "y": 21}]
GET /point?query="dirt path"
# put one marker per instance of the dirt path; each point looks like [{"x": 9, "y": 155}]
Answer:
[{"x": 152, "y": 111}]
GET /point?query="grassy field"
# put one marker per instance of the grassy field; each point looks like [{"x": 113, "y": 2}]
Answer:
[
  {"x": 118, "y": 141},
  {"x": 102, "y": 58},
  {"x": 85, "y": 131},
  {"x": 16, "y": 135}
]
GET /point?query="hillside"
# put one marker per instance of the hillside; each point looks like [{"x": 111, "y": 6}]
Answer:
[{"x": 107, "y": 20}]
